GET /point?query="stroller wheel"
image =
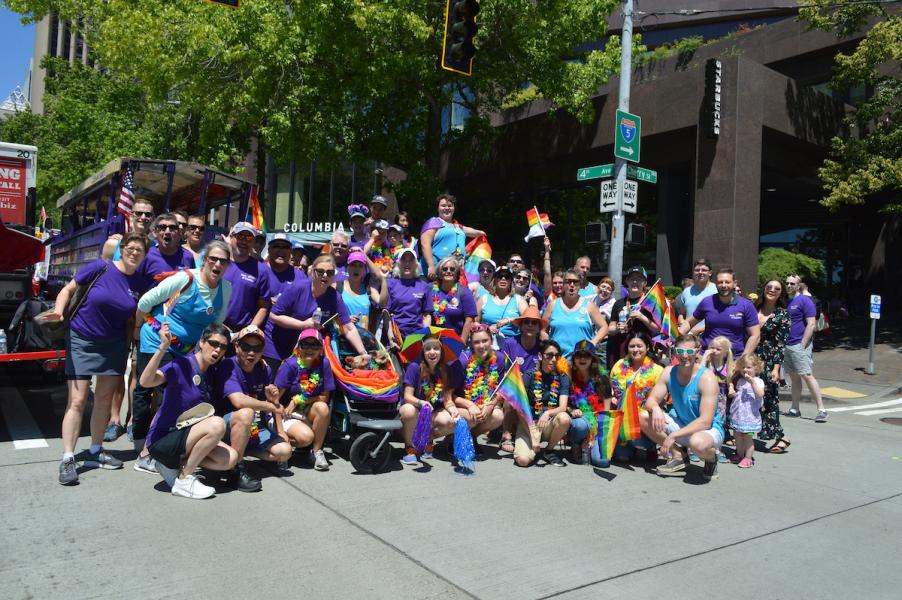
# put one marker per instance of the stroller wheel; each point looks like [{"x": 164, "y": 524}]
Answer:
[{"x": 362, "y": 457}]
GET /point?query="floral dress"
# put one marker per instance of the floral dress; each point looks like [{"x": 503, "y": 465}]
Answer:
[{"x": 774, "y": 333}]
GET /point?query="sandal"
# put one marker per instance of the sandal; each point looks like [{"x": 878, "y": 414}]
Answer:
[
  {"x": 746, "y": 463},
  {"x": 507, "y": 445},
  {"x": 779, "y": 446}
]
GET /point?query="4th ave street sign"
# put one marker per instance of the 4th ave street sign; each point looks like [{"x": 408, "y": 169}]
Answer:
[
  {"x": 627, "y": 135},
  {"x": 602, "y": 171}
]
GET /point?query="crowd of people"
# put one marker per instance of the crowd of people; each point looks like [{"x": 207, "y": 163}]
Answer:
[{"x": 225, "y": 345}]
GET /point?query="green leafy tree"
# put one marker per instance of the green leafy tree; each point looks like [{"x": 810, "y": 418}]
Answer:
[
  {"x": 776, "y": 263},
  {"x": 351, "y": 79},
  {"x": 867, "y": 165}
]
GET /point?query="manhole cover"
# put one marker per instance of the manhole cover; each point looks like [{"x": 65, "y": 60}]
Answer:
[{"x": 892, "y": 420}]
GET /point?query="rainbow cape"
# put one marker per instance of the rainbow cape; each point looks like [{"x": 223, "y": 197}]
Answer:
[
  {"x": 478, "y": 250},
  {"x": 255, "y": 212},
  {"x": 609, "y": 423},
  {"x": 513, "y": 391},
  {"x": 654, "y": 302},
  {"x": 538, "y": 223},
  {"x": 630, "y": 407}
]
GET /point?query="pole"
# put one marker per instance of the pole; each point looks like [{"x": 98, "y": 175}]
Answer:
[
  {"x": 871, "y": 370},
  {"x": 615, "y": 261}
]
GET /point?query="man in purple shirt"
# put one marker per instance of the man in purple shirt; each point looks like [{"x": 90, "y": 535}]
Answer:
[
  {"x": 525, "y": 345},
  {"x": 341, "y": 246},
  {"x": 727, "y": 314},
  {"x": 797, "y": 358},
  {"x": 168, "y": 255},
  {"x": 250, "y": 301},
  {"x": 284, "y": 274}
]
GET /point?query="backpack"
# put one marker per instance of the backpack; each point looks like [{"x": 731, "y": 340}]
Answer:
[{"x": 26, "y": 334}]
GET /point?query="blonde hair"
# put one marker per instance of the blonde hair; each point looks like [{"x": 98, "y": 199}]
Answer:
[
  {"x": 747, "y": 359},
  {"x": 724, "y": 345}
]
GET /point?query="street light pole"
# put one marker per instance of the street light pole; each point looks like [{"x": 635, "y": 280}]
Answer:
[{"x": 618, "y": 223}]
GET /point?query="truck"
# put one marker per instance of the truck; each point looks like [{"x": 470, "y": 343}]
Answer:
[{"x": 18, "y": 172}]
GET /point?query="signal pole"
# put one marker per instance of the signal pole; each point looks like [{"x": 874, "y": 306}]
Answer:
[{"x": 618, "y": 223}]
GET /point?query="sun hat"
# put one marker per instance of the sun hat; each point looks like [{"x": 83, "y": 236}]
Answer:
[{"x": 531, "y": 313}]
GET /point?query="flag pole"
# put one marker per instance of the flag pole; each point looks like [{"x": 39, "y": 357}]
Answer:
[
  {"x": 535, "y": 208},
  {"x": 514, "y": 363}
]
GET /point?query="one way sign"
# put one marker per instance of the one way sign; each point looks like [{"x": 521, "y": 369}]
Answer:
[{"x": 608, "y": 200}]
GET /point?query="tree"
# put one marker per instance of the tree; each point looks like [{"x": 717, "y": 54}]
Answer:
[
  {"x": 92, "y": 117},
  {"x": 776, "y": 263},
  {"x": 867, "y": 165},
  {"x": 352, "y": 79}
]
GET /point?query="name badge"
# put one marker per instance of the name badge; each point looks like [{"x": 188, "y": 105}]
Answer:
[{"x": 196, "y": 379}]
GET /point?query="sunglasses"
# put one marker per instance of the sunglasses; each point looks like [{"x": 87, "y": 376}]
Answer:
[
  {"x": 340, "y": 246},
  {"x": 685, "y": 351},
  {"x": 487, "y": 271},
  {"x": 217, "y": 345},
  {"x": 142, "y": 213},
  {"x": 516, "y": 260},
  {"x": 245, "y": 347},
  {"x": 133, "y": 250},
  {"x": 167, "y": 228},
  {"x": 521, "y": 277},
  {"x": 773, "y": 288},
  {"x": 309, "y": 345},
  {"x": 325, "y": 272},
  {"x": 535, "y": 322},
  {"x": 218, "y": 259},
  {"x": 582, "y": 355},
  {"x": 449, "y": 269},
  {"x": 507, "y": 276},
  {"x": 571, "y": 281},
  {"x": 551, "y": 355},
  {"x": 196, "y": 227}
]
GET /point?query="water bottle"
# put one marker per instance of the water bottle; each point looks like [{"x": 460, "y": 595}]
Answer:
[
  {"x": 2, "y": 341},
  {"x": 624, "y": 313},
  {"x": 318, "y": 315}
]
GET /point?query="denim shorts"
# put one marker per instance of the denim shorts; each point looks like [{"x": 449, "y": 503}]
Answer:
[{"x": 265, "y": 438}]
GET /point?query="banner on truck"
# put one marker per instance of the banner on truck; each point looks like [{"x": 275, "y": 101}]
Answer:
[{"x": 13, "y": 190}]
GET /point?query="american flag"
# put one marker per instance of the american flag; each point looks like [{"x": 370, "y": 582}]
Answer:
[{"x": 127, "y": 198}]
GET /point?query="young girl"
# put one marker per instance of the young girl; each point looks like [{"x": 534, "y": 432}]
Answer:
[
  {"x": 745, "y": 412},
  {"x": 719, "y": 358}
]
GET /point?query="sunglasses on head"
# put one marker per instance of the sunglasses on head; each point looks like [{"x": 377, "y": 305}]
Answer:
[
  {"x": 217, "y": 345},
  {"x": 685, "y": 351},
  {"x": 245, "y": 347}
]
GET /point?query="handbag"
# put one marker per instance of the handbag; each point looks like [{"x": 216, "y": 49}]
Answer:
[
  {"x": 194, "y": 415},
  {"x": 81, "y": 294}
]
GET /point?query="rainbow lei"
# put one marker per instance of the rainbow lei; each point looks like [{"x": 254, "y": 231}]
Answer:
[
  {"x": 309, "y": 381},
  {"x": 175, "y": 345},
  {"x": 441, "y": 301},
  {"x": 587, "y": 400},
  {"x": 481, "y": 379},
  {"x": 644, "y": 377},
  {"x": 432, "y": 390},
  {"x": 382, "y": 257},
  {"x": 538, "y": 387}
]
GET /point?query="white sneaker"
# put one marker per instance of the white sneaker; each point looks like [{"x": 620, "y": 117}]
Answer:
[
  {"x": 169, "y": 475},
  {"x": 191, "y": 487}
]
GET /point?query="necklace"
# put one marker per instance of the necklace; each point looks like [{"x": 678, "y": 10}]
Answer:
[
  {"x": 481, "y": 378},
  {"x": 381, "y": 256},
  {"x": 583, "y": 392},
  {"x": 308, "y": 380},
  {"x": 644, "y": 378},
  {"x": 441, "y": 301},
  {"x": 432, "y": 389},
  {"x": 538, "y": 389}
]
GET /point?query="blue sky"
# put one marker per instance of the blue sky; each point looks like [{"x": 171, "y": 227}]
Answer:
[{"x": 16, "y": 47}]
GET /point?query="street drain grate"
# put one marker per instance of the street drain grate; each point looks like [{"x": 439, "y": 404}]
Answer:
[{"x": 891, "y": 420}]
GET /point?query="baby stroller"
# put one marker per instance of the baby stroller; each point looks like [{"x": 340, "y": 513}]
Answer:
[{"x": 366, "y": 399}]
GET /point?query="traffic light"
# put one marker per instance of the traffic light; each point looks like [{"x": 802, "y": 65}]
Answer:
[{"x": 460, "y": 29}]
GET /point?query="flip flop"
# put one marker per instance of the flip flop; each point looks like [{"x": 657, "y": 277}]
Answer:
[
  {"x": 779, "y": 446},
  {"x": 746, "y": 463}
]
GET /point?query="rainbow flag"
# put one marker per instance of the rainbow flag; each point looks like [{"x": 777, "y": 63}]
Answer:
[
  {"x": 255, "y": 212},
  {"x": 513, "y": 391},
  {"x": 630, "y": 407},
  {"x": 538, "y": 223},
  {"x": 654, "y": 302},
  {"x": 478, "y": 249},
  {"x": 609, "y": 423},
  {"x": 669, "y": 324}
]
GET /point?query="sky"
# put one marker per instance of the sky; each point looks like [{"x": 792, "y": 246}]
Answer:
[{"x": 16, "y": 47}]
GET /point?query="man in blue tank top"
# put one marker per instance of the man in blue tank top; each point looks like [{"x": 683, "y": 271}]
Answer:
[{"x": 692, "y": 422}]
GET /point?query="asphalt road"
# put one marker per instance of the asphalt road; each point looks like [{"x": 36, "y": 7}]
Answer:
[{"x": 822, "y": 521}]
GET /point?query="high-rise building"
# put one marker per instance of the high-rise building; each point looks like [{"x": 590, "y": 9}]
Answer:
[{"x": 59, "y": 38}]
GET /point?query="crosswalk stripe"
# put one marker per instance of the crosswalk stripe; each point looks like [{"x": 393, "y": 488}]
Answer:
[
  {"x": 21, "y": 426},
  {"x": 865, "y": 406},
  {"x": 884, "y": 411}
]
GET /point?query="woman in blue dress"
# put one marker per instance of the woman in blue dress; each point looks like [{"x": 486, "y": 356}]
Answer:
[{"x": 442, "y": 236}]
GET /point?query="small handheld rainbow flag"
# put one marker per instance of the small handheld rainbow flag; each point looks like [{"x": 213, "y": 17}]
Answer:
[
  {"x": 609, "y": 422},
  {"x": 630, "y": 407},
  {"x": 538, "y": 223},
  {"x": 669, "y": 324},
  {"x": 255, "y": 211},
  {"x": 654, "y": 302},
  {"x": 591, "y": 419},
  {"x": 513, "y": 391},
  {"x": 478, "y": 250}
]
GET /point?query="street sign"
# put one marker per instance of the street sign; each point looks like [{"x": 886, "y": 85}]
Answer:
[
  {"x": 598, "y": 172},
  {"x": 875, "y": 306},
  {"x": 627, "y": 133},
  {"x": 646, "y": 175},
  {"x": 608, "y": 199}
]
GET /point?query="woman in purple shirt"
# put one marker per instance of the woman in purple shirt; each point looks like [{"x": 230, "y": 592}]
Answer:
[
  {"x": 449, "y": 304},
  {"x": 97, "y": 345}
]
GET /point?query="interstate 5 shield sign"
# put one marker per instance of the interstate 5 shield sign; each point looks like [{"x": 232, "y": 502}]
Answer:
[{"x": 627, "y": 133}]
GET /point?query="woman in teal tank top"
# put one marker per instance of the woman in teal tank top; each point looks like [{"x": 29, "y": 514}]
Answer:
[
  {"x": 499, "y": 308},
  {"x": 358, "y": 295},
  {"x": 573, "y": 318}
]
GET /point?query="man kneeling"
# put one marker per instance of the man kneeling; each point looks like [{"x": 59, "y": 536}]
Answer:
[{"x": 693, "y": 422}]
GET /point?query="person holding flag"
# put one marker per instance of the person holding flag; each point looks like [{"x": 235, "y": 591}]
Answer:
[
  {"x": 630, "y": 317},
  {"x": 590, "y": 394},
  {"x": 483, "y": 368}
]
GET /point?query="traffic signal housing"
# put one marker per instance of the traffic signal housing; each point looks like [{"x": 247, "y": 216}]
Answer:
[{"x": 460, "y": 29}]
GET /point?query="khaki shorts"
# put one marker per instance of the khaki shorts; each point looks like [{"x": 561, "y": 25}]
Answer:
[
  {"x": 798, "y": 360},
  {"x": 523, "y": 442}
]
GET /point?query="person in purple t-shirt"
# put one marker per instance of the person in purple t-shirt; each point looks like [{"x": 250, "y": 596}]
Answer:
[
  {"x": 250, "y": 279},
  {"x": 429, "y": 380},
  {"x": 524, "y": 346},
  {"x": 283, "y": 274},
  {"x": 168, "y": 255},
  {"x": 727, "y": 314},
  {"x": 178, "y": 452},
  {"x": 406, "y": 292},
  {"x": 448, "y": 303},
  {"x": 797, "y": 358},
  {"x": 240, "y": 395},
  {"x": 296, "y": 312},
  {"x": 304, "y": 384},
  {"x": 97, "y": 344}
]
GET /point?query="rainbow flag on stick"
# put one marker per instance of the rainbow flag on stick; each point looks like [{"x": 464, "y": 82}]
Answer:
[
  {"x": 478, "y": 250},
  {"x": 255, "y": 212},
  {"x": 513, "y": 391},
  {"x": 669, "y": 324},
  {"x": 654, "y": 302},
  {"x": 538, "y": 223},
  {"x": 609, "y": 423},
  {"x": 630, "y": 407}
]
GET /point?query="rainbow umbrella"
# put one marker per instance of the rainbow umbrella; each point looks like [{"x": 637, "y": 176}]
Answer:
[{"x": 452, "y": 345}]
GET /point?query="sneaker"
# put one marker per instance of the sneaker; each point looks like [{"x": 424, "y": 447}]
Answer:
[
  {"x": 821, "y": 417},
  {"x": 319, "y": 461},
  {"x": 672, "y": 468},
  {"x": 553, "y": 459},
  {"x": 146, "y": 464},
  {"x": 793, "y": 413},
  {"x": 112, "y": 432},
  {"x": 191, "y": 487},
  {"x": 243, "y": 480},
  {"x": 722, "y": 458},
  {"x": 102, "y": 460},
  {"x": 130, "y": 431},
  {"x": 68, "y": 472},
  {"x": 710, "y": 470},
  {"x": 693, "y": 457},
  {"x": 427, "y": 453},
  {"x": 410, "y": 458},
  {"x": 169, "y": 475},
  {"x": 603, "y": 464}
]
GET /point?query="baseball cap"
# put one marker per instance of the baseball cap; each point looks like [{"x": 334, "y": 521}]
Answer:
[
  {"x": 377, "y": 199},
  {"x": 638, "y": 269},
  {"x": 489, "y": 261},
  {"x": 381, "y": 224},
  {"x": 243, "y": 226},
  {"x": 357, "y": 256},
  {"x": 250, "y": 330},
  {"x": 397, "y": 228},
  {"x": 310, "y": 333},
  {"x": 503, "y": 270},
  {"x": 584, "y": 346},
  {"x": 296, "y": 245},
  {"x": 279, "y": 237},
  {"x": 401, "y": 252}
]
